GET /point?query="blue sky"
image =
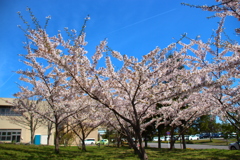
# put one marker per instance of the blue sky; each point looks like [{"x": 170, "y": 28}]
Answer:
[{"x": 132, "y": 27}]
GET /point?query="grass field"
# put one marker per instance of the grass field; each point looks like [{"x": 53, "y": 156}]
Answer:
[
  {"x": 32, "y": 152},
  {"x": 217, "y": 142},
  {"x": 222, "y": 142}
]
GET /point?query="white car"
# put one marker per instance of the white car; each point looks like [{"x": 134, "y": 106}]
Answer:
[
  {"x": 193, "y": 137},
  {"x": 155, "y": 138},
  {"x": 168, "y": 138},
  {"x": 234, "y": 146},
  {"x": 162, "y": 138},
  {"x": 89, "y": 141}
]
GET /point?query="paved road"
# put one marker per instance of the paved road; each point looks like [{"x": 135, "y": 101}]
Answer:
[{"x": 194, "y": 146}]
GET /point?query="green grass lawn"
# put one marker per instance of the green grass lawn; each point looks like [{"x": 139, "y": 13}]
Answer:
[
  {"x": 218, "y": 142},
  {"x": 222, "y": 142},
  {"x": 32, "y": 152}
]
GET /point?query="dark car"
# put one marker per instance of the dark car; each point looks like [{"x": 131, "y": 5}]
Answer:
[
  {"x": 215, "y": 135},
  {"x": 234, "y": 146}
]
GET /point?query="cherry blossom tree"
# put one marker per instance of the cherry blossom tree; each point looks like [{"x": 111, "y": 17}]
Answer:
[
  {"x": 112, "y": 125},
  {"x": 222, "y": 9},
  {"x": 222, "y": 54},
  {"x": 131, "y": 92},
  {"x": 224, "y": 98},
  {"x": 228, "y": 97},
  {"x": 87, "y": 119},
  {"x": 50, "y": 85}
]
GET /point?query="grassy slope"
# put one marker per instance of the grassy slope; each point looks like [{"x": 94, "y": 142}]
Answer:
[{"x": 12, "y": 152}]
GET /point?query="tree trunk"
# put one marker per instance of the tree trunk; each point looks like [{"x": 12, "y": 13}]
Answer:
[
  {"x": 182, "y": 137},
  {"x": 49, "y": 132},
  {"x": 32, "y": 130},
  {"x": 32, "y": 137},
  {"x": 48, "y": 139},
  {"x": 145, "y": 142},
  {"x": 172, "y": 139},
  {"x": 32, "y": 133},
  {"x": 84, "y": 145},
  {"x": 118, "y": 141},
  {"x": 159, "y": 135},
  {"x": 138, "y": 147},
  {"x": 172, "y": 142},
  {"x": 210, "y": 137},
  {"x": 140, "y": 151},
  {"x": 83, "y": 140},
  {"x": 56, "y": 139},
  {"x": 183, "y": 141}
]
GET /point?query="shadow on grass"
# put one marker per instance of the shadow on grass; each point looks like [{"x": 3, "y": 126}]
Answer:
[
  {"x": 37, "y": 152},
  {"x": 196, "y": 154},
  {"x": 30, "y": 152},
  {"x": 12, "y": 152}
]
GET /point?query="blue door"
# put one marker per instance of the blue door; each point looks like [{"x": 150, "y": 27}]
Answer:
[{"x": 37, "y": 139}]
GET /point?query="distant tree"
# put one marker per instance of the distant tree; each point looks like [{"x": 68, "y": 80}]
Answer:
[
  {"x": 113, "y": 127},
  {"x": 207, "y": 124},
  {"x": 67, "y": 138},
  {"x": 227, "y": 129}
]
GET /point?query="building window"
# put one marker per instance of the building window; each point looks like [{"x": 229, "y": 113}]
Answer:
[
  {"x": 7, "y": 111},
  {"x": 12, "y": 135}
]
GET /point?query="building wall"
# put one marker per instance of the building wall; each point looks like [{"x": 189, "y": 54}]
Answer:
[
  {"x": 7, "y": 126},
  {"x": 92, "y": 135}
]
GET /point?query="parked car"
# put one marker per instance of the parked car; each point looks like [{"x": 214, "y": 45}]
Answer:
[
  {"x": 193, "y": 137},
  {"x": 221, "y": 135},
  {"x": 234, "y": 146},
  {"x": 155, "y": 138},
  {"x": 204, "y": 135},
  {"x": 186, "y": 137},
  {"x": 162, "y": 138},
  {"x": 177, "y": 137},
  {"x": 168, "y": 138},
  {"x": 197, "y": 135},
  {"x": 102, "y": 142},
  {"x": 89, "y": 141},
  {"x": 233, "y": 135},
  {"x": 215, "y": 135}
]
